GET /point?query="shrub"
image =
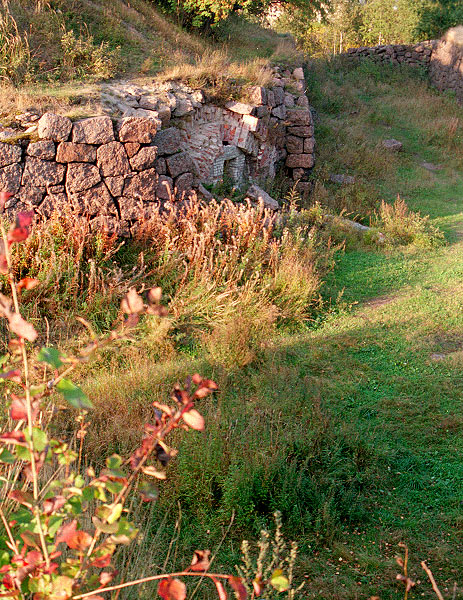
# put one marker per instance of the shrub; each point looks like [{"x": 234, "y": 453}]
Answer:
[{"x": 402, "y": 226}]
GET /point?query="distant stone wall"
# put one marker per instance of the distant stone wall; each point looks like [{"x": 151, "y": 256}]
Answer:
[
  {"x": 442, "y": 59},
  {"x": 413, "y": 55},
  {"x": 159, "y": 144}
]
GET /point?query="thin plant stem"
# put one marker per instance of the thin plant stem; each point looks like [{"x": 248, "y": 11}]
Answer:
[{"x": 432, "y": 580}]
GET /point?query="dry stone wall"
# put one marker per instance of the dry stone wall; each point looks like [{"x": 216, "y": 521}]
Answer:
[
  {"x": 442, "y": 59},
  {"x": 412, "y": 55},
  {"x": 160, "y": 144}
]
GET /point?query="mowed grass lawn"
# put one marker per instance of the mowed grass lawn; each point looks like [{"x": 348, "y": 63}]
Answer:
[{"x": 352, "y": 426}]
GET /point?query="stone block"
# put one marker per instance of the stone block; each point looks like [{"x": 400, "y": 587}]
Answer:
[
  {"x": 184, "y": 184},
  {"x": 115, "y": 185},
  {"x": 142, "y": 185},
  {"x": 299, "y": 161},
  {"x": 94, "y": 201},
  {"x": 132, "y": 148},
  {"x": 250, "y": 122},
  {"x": 279, "y": 112},
  {"x": 81, "y": 176},
  {"x": 240, "y": 108},
  {"x": 184, "y": 107},
  {"x": 96, "y": 130},
  {"x": 279, "y": 94},
  {"x": 31, "y": 195},
  {"x": 54, "y": 127},
  {"x": 137, "y": 129},
  {"x": 257, "y": 194},
  {"x": 271, "y": 98},
  {"x": 42, "y": 173},
  {"x": 298, "y": 73},
  {"x": 258, "y": 95},
  {"x": 294, "y": 145},
  {"x": 164, "y": 188},
  {"x": 130, "y": 208},
  {"x": 52, "y": 203},
  {"x": 9, "y": 154},
  {"x": 180, "y": 163},
  {"x": 168, "y": 141},
  {"x": 301, "y": 130},
  {"x": 289, "y": 100},
  {"x": 309, "y": 145},
  {"x": 298, "y": 116},
  {"x": 160, "y": 165},
  {"x": 112, "y": 159},
  {"x": 145, "y": 159},
  {"x": 45, "y": 149},
  {"x": 70, "y": 152}
]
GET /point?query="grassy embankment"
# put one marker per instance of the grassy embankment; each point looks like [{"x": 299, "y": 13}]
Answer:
[{"x": 56, "y": 54}]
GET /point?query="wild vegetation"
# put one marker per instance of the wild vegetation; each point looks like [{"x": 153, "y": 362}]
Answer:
[{"x": 336, "y": 355}]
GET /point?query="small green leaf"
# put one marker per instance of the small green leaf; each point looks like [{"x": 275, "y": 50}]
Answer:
[
  {"x": 51, "y": 356},
  {"x": 6, "y": 456},
  {"x": 279, "y": 581},
  {"x": 114, "y": 461},
  {"x": 39, "y": 439},
  {"x": 73, "y": 394}
]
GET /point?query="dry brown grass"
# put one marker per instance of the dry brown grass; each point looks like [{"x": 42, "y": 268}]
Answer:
[{"x": 215, "y": 71}]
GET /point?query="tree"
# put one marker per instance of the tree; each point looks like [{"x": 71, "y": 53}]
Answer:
[
  {"x": 200, "y": 13},
  {"x": 436, "y": 16},
  {"x": 389, "y": 22}
]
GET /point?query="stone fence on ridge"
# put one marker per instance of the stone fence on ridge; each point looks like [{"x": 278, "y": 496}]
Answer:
[{"x": 442, "y": 59}]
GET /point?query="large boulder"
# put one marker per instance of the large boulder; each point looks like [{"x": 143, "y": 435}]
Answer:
[
  {"x": 81, "y": 176},
  {"x": 138, "y": 129},
  {"x": 259, "y": 195},
  {"x": 112, "y": 160},
  {"x": 54, "y": 127},
  {"x": 9, "y": 154},
  {"x": 97, "y": 130}
]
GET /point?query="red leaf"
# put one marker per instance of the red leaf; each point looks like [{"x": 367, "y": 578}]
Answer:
[
  {"x": 14, "y": 437},
  {"x": 220, "y": 589},
  {"x": 52, "y": 505},
  {"x": 21, "y": 327},
  {"x": 106, "y": 577},
  {"x": 27, "y": 283},
  {"x": 102, "y": 561},
  {"x": 12, "y": 375},
  {"x": 22, "y": 497},
  {"x": 75, "y": 539},
  {"x": 18, "y": 410},
  {"x": 200, "y": 561},
  {"x": 3, "y": 264},
  {"x": 172, "y": 589},
  {"x": 24, "y": 219},
  {"x": 238, "y": 585},
  {"x": 194, "y": 419}
]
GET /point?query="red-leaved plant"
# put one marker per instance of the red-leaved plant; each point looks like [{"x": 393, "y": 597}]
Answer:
[{"x": 62, "y": 524}]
